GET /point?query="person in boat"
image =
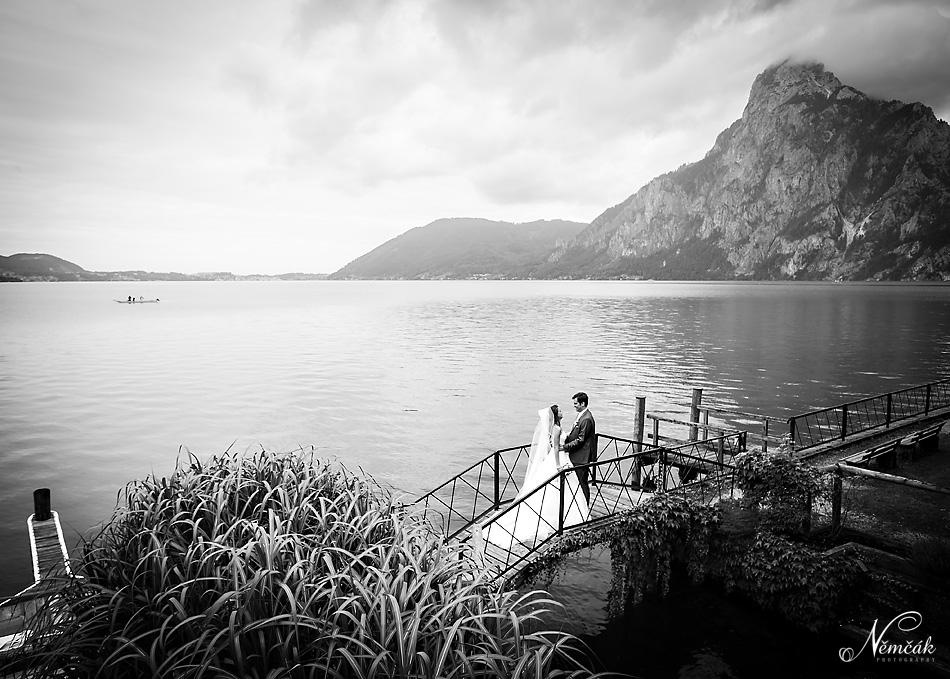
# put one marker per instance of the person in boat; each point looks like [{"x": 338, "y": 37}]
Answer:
[{"x": 130, "y": 298}]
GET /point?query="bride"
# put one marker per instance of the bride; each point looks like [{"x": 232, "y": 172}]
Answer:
[{"x": 532, "y": 520}]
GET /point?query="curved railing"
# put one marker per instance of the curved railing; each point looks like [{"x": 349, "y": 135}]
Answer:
[
  {"x": 491, "y": 483},
  {"x": 620, "y": 483},
  {"x": 483, "y": 500}
]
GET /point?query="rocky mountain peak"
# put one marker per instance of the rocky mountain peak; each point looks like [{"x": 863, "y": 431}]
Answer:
[
  {"x": 789, "y": 82},
  {"x": 815, "y": 181}
]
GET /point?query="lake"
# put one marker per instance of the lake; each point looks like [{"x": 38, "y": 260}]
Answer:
[{"x": 410, "y": 381}]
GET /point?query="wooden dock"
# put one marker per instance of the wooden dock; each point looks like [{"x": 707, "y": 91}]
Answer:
[{"x": 50, "y": 568}]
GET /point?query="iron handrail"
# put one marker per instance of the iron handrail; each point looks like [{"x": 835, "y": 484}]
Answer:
[
  {"x": 544, "y": 530},
  {"x": 836, "y": 423}
]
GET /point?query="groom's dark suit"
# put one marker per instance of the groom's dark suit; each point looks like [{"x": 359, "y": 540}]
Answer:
[{"x": 581, "y": 445}]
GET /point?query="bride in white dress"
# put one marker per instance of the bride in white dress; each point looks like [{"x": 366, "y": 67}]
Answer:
[{"x": 534, "y": 519}]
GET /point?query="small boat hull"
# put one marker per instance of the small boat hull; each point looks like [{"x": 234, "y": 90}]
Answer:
[{"x": 136, "y": 301}]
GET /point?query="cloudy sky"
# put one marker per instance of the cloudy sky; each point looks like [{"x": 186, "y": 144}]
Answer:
[{"x": 267, "y": 137}]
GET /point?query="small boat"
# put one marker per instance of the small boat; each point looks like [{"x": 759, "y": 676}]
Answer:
[{"x": 133, "y": 300}]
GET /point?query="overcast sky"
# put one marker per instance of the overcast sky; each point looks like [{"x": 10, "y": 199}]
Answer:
[{"x": 268, "y": 137}]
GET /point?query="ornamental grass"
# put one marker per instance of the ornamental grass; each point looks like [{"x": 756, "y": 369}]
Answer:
[{"x": 284, "y": 565}]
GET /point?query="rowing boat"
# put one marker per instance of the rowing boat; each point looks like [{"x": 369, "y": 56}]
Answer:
[{"x": 140, "y": 300}]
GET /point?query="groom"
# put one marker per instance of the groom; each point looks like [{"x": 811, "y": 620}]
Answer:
[{"x": 581, "y": 441}]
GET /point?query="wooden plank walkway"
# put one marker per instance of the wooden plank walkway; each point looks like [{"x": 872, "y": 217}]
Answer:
[
  {"x": 50, "y": 558},
  {"x": 50, "y": 566}
]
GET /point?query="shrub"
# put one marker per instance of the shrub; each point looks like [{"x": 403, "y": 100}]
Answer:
[{"x": 277, "y": 565}]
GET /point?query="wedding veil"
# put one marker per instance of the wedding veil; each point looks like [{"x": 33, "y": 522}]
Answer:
[{"x": 540, "y": 448}]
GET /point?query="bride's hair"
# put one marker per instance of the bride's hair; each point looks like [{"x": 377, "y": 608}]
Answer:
[{"x": 557, "y": 415}]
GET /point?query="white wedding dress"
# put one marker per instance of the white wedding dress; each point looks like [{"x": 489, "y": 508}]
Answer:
[{"x": 532, "y": 520}]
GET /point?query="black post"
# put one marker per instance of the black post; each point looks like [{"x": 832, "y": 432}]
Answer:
[
  {"x": 844, "y": 421},
  {"x": 927, "y": 401},
  {"x": 887, "y": 417},
  {"x": 791, "y": 430},
  {"x": 497, "y": 484},
  {"x": 560, "y": 513},
  {"x": 41, "y": 505},
  {"x": 664, "y": 460}
]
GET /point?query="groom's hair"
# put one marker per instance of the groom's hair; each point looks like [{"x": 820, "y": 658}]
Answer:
[{"x": 581, "y": 398}]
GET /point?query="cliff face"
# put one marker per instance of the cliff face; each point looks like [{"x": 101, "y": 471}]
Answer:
[{"x": 815, "y": 181}]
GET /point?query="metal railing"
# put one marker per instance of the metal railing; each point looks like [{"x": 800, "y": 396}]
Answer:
[
  {"x": 511, "y": 536},
  {"x": 838, "y": 422},
  {"x": 483, "y": 501},
  {"x": 491, "y": 483}
]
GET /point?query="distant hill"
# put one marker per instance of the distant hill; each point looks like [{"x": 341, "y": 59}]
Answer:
[
  {"x": 816, "y": 181},
  {"x": 39, "y": 267},
  {"x": 463, "y": 248}
]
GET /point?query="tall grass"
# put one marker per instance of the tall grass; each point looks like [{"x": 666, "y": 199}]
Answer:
[{"x": 283, "y": 565}]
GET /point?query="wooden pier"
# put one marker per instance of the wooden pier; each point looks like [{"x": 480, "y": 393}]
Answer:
[{"x": 50, "y": 569}]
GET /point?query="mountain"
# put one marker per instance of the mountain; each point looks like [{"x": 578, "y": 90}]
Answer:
[
  {"x": 40, "y": 267},
  {"x": 34, "y": 266},
  {"x": 463, "y": 248},
  {"x": 816, "y": 181}
]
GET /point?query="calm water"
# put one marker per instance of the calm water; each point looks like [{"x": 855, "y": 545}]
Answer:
[{"x": 410, "y": 381}]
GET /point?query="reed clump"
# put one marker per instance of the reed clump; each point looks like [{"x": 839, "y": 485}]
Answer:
[{"x": 284, "y": 565}]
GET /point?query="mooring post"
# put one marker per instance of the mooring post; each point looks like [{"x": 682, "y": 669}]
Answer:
[
  {"x": 694, "y": 413},
  {"x": 765, "y": 435},
  {"x": 844, "y": 421},
  {"x": 638, "y": 418},
  {"x": 887, "y": 415},
  {"x": 42, "y": 510}
]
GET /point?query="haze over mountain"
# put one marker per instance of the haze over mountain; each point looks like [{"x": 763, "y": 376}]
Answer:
[{"x": 816, "y": 181}]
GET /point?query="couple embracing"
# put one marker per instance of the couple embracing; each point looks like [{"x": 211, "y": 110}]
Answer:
[{"x": 537, "y": 509}]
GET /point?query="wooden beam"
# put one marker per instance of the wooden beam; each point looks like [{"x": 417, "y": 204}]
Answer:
[{"x": 848, "y": 470}]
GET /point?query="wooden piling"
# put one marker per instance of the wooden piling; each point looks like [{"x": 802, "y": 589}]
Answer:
[
  {"x": 638, "y": 418},
  {"x": 694, "y": 412},
  {"x": 41, "y": 505}
]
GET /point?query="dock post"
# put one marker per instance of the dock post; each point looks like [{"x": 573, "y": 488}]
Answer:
[
  {"x": 844, "y": 421},
  {"x": 638, "y": 418},
  {"x": 927, "y": 401},
  {"x": 765, "y": 437},
  {"x": 887, "y": 416},
  {"x": 42, "y": 509},
  {"x": 694, "y": 412}
]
